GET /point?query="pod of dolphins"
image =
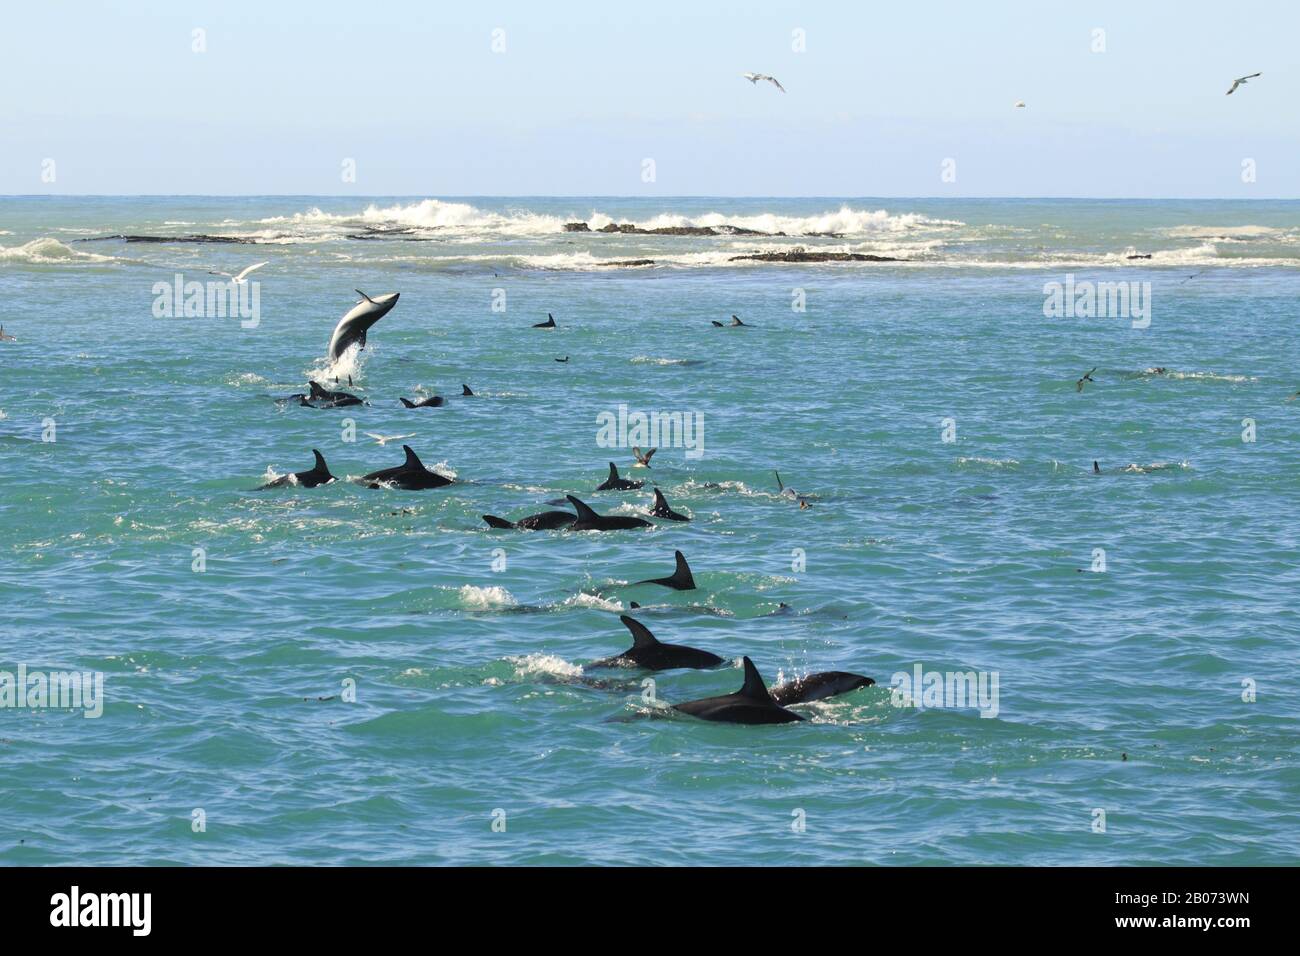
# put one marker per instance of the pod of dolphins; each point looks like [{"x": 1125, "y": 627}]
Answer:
[{"x": 753, "y": 703}]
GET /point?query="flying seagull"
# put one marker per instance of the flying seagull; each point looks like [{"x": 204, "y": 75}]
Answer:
[
  {"x": 643, "y": 460},
  {"x": 1087, "y": 377},
  {"x": 755, "y": 77},
  {"x": 1020, "y": 104},
  {"x": 237, "y": 279},
  {"x": 1240, "y": 80},
  {"x": 385, "y": 439}
]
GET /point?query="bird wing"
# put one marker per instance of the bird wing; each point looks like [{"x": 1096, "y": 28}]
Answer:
[
  {"x": 650, "y": 454},
  {"x": 776, "y": 84},
  {"x": 248, "y": 270}
]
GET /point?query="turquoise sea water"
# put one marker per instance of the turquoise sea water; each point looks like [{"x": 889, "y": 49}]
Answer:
[{"x": 470, "y": 693}]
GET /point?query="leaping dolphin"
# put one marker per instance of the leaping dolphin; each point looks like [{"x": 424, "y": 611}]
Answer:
[
  {"x": 646, "y": 651},
  {"x": 818, "y": 686},
  {"x": 410, "y": 475},
  {"x": 615, "y": 483},
  {"x": 434, "y": 401},
  {"x": 662, "y": 510},
  {"x": 588, "y": 520},
  {"x": 354, "y": 326},
  {"x": 752, "y": 704},
  {"x": 319, "y": 474},
  {"x": 542, "y": 521}
]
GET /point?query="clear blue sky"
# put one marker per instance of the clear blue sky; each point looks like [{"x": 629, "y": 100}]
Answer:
[{"x": 586, "y": 90}]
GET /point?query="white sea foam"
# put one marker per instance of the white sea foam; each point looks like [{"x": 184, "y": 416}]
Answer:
[
  {"x": 47, "y": 251},
  {"x": 474, "y": 597},
  {"x": 544, "y": 664}
]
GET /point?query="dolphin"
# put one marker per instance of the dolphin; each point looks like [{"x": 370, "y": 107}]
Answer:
[
  {"x": 680, "y": 580},
  {"x": 465, "y": 392},
  {"x": 318, "y": 396},
  {"x": 615, "y": 483},
  {"x": 411, "y": 475},
  {"x": 354, "y": 326},
  {"x": 752, "y": 704},
  {"x": 588, "y": 520},
  {"x": 5, "y": 336},
  {"x": 319, "y": 474},
  {"x": 548, "y": 324},
  {"x": 661, "y": 509},
  {"x": 646, "y": 651},
  {"x": 811, "y": 687},
  {"x": 437, "y": 401},
  {"x": 542, "y": 521}
]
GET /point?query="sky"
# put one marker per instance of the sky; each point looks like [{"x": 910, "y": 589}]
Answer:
[{"x": 880, "y": 96}]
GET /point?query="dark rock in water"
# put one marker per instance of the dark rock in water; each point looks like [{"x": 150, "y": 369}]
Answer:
[
  {"x": 627, "y": 262},
  {"x": 240, "y": 240},
  {"x": 1146, "y": 256},
  {"x": 823, "y": 235},
  {"x": 576, "y": 227},
  {"x": 802, "y": 255},
  {"x": 629, "y": 229}
]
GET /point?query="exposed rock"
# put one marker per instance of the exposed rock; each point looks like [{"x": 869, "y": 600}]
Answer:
[
  {"x": 802, "y": 255},
  {"x": 192, "y": 238},
  {"x": 576, "y": 227},
  {"x": 627, "y": 262}
]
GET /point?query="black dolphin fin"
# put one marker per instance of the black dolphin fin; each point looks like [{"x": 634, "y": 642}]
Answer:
[
  {"x": 584, "y": 512},
  {"x": 316, "y": 390},
  {"x": 682, "y": 577},
  {"x": 680, "y": 580},
  {"x": 661, "y": 503},
  {"x": 407, "y": 402},
  {"x": 496, "y": 522},
  {"x": 717, "y": 323},
  {"x": 364, "y": 296},
  {"x": 780, "y": 486},
  {"x": 323, "y": 468},
  {"x": 641, "y": 636},
  {"x": 465, "y": 390},
  {"x": 613, "y": 472},
  {"x": 754, "y": 687},
  {"x": 412, "y": 459}
]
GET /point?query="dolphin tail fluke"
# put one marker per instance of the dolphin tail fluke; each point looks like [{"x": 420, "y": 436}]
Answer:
[
  {"x": 641, "y": 636},
  {"x": 496, "y": 522},
  {"x": 754, "y": 687}
]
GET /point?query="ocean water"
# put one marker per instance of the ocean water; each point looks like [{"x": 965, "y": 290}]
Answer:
[{"x": 1124, "y": 729}]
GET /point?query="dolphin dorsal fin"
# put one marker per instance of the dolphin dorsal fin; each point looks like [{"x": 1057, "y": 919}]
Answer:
[
  {"x": 584, "y": 512},
  {"x": 316, "y": 389},
  {"x": 779, "y": 485},
  {"x": 682, "y": 574},
  {"x": 613, "y": 472},
  {"x": 364, "y": 296},
  {"x": 754, "y": 687},
  {"x": 660, "y": 501},
  {"x": 320, "y": 462},
  {"x": 465, "y": 390},
  {"x": 641, "y": 636},
  {"x": 412, "y": 459}
]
